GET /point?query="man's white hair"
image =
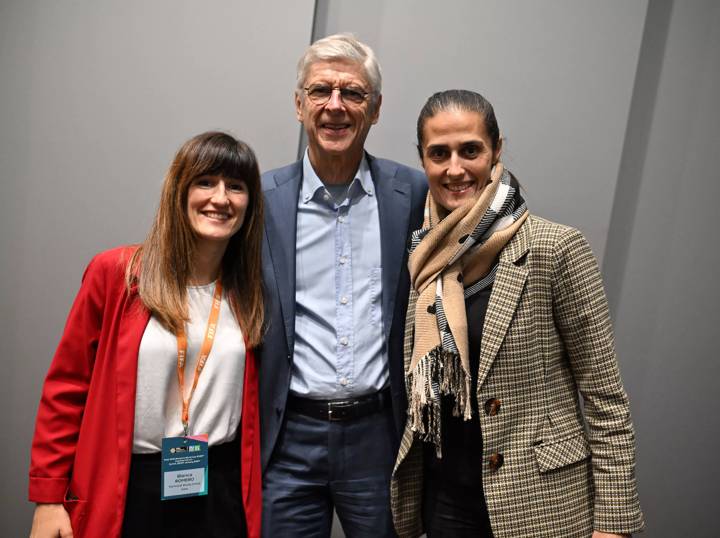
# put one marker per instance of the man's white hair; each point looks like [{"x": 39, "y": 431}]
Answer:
[{"x": 342, "y": 47}]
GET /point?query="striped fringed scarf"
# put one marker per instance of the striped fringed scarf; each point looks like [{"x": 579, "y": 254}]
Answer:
[{"x": 452, "y": 248}]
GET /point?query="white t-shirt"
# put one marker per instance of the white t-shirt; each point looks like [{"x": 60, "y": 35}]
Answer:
[{"x": 217, "y": 403}]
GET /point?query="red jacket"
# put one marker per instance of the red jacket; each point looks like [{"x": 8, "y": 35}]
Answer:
[{"x": 84, "y": 430}]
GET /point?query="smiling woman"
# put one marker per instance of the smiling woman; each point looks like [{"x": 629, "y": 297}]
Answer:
[
  {"x": 458, "y": 155},
  {"x": 216, "y": 207},
  {"x": 508, "y": 321},
  {"x": 115, "y": 397}
]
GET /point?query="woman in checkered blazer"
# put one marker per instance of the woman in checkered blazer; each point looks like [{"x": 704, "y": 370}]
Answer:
[{"x": 507, "y": 322}]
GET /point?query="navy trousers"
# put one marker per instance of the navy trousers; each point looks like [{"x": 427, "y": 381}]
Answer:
[{"x": 318, "y": 465}]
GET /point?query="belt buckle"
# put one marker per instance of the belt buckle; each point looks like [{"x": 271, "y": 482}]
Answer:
[{"x": 338, "y": 411}]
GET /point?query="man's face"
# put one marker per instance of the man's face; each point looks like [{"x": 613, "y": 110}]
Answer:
[{"x": 338, "y": 126}]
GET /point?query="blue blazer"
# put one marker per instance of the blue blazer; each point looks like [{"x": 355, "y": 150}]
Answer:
[{"x": 401, "y": 198}]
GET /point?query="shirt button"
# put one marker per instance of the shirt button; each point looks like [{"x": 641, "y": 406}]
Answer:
[
  {"x": 369, "y": 191},
  {"x": 344, "y": 341},
  {"x": 326, "y": 196},
  {"x": 343, "y": 259},
  {"x": 341, "y": 218},
  {"x": 343, "y": 381},
  {"x": 344, "y": 300}
]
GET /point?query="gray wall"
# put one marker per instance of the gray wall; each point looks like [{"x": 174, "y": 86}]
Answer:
[
  {"x": 662, "y": 268},
  {"x": 609, "y": 110}
]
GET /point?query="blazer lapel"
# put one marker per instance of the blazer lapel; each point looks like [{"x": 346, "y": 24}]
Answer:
[
  {"x": 281, "y": 229},
  {"x": 393, "y": 199},
  {"x": 507, "y": 289}
]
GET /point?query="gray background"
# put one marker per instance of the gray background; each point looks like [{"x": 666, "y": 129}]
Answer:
[{"x": 609, "y": 109}]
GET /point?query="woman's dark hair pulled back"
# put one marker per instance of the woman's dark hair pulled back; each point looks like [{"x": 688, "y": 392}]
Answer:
[{"x": 465, "y": 100}]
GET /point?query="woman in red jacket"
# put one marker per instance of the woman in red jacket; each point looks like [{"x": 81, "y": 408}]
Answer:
[{"x": 156, "y": 364}]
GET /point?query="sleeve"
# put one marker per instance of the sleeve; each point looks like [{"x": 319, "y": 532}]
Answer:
[
  {"x": 583, "y": 319},
  {"x": 64, "y": 392}
]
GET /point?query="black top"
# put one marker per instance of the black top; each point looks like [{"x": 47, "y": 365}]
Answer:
[{"x": 453, "y": 493}]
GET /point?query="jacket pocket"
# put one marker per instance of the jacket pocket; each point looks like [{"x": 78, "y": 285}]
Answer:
[{"x": 555, "y": 454}]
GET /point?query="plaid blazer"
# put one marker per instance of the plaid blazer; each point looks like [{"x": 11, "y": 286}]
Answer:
[{"x": 547, "y": 334}]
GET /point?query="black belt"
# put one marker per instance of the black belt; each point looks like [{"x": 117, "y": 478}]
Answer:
[{"x": 342, "y": 409}]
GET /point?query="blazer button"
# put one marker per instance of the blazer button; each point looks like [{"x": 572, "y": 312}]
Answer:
[
  {"x": 431, "y": 309},
  {"x": 495, "y": 461},
  {"x": 492, "y": 407}
]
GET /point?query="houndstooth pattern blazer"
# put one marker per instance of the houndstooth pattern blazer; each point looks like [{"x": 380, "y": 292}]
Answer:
[{"x": 547, "y": 335}]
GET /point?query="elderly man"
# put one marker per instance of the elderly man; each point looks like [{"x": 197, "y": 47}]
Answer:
[{"x": 331, "y": 382}]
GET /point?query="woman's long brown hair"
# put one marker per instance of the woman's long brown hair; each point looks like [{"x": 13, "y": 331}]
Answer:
[{"x": 162, "y": 266}]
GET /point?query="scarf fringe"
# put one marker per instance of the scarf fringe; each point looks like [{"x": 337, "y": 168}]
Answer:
[{"x": 437, "y": 373}]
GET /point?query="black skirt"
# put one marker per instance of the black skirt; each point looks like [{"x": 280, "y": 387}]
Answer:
[{"x": 219, "y": 514}]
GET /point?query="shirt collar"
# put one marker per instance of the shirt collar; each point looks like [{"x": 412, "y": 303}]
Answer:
[{"x": 312, "y": 183}]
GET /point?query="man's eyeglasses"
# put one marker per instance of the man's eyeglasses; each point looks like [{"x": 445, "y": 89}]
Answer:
[{"x": 320, "y": 94}]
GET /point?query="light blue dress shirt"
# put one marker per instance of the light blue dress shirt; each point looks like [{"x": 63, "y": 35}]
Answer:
[{"x": 339, "y": 339}]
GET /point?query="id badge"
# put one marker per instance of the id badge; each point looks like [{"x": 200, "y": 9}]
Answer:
[{"x": 184, "y": 470}]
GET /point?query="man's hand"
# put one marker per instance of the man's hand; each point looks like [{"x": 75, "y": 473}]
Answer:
[
  {"x": 601, "y": 534},
  {"x": 51, "y": 521}
]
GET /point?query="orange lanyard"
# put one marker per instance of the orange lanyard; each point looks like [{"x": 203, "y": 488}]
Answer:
[{"x": 202, "y": 357}]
